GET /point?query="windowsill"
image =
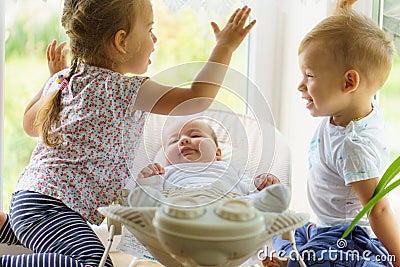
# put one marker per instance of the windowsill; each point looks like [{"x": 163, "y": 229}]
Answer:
[{"x": 13, "y": 250}]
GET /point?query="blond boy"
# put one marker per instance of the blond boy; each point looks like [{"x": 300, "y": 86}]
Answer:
[{"x": 345, "y": 60}]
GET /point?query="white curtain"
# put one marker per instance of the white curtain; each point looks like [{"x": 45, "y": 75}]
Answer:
[
  {"x": 220, "y": 7},
  {"x": 391, "y": 17},
  {"x": 391, "y": 20},
  {"x": 208, "y": 6}
]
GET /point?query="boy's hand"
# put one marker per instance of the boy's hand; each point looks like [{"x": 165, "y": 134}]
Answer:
[
  {"x": 264, "y": 180},
  {"x": 235, "y": 31},
  {"x": 150, "y": 170},
  {"x": 56, "y": 57}
]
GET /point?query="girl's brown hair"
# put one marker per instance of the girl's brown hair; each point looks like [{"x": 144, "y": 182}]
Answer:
[{"x": 90, "y": 26}]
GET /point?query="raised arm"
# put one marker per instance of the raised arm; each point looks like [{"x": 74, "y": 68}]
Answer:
[
  {"x": 56, "y": 61},
  {"x": 165, "y": 99},
  {"x": 382, "y": 218}
]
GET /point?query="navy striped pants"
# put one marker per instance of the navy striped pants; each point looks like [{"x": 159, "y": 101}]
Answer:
[{"x": 57, "y": 235}]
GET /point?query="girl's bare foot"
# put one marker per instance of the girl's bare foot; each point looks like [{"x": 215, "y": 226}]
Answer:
[{"x": 275, "y": 261}]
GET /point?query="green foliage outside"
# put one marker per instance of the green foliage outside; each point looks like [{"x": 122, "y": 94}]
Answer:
[
  {"x": 25, "y": 72},
  {"x": 24, "y": 77},
  {"x": 389, "y": 99}
]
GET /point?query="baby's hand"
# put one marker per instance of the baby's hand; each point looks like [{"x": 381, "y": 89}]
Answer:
[
  {"x": 234, "y": 32},
  {"x": 56, "y": 57},
  {"x": 150, "y": 170},
  {"x": 264, "y": 180}
]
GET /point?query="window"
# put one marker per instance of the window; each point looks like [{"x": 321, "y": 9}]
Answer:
[
  {"x": 389, "y": 96},
  {"x": 183, "y": 37},
  {"x": 26, "y": 39},
  {"x": 2, "y": 15},
  {"x": 181, "y": 51}
]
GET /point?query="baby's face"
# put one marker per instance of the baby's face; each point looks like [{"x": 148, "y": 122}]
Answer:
[{"x": 191, "y": 142}]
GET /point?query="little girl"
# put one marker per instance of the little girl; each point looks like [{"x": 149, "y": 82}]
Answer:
[{"x": 78, "y": 164}]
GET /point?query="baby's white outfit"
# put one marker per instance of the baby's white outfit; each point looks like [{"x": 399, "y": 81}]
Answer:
[
  {"x": 205, "y": 173},
  {"x": 215, "y": 179}
]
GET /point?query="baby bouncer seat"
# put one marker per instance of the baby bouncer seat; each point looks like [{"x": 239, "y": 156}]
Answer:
[{"x": 205, "y": 225}]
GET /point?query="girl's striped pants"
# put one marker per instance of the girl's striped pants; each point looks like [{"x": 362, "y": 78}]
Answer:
[{"x": 57, "y": 235}]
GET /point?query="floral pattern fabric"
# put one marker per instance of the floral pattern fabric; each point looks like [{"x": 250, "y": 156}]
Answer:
[{"x": 88, "y": 168}]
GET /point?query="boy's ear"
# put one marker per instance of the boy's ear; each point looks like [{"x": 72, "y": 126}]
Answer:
[
  {"x": 120, "y": 41},
  {"x": 218, "y": 154},
  {"x": 352, "y": 80}
]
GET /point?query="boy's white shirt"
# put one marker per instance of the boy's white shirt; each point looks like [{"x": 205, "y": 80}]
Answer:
[
  {"x": 184, "y": 174},
  {"x": 339, "y": 156}
]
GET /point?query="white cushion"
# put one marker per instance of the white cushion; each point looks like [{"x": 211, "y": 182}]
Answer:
[{"x": 250, "y": 145}]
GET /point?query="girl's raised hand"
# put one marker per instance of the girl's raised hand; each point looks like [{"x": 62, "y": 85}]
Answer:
[
  {"x": 56, "y": 57},
  {"x": 235, "y": 30}
]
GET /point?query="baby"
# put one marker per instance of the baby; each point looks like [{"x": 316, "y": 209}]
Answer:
[{"x": 193, "y": 158}]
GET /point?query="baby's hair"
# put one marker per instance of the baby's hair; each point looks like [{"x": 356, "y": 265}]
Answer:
[
  {"x": 357, "y": 41},
  {"x": 206, "y": 122},
  {"x": 90, "y": 26}
]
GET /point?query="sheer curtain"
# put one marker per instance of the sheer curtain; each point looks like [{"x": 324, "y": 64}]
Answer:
[
  {"x": 391, "y": 15},
  {"x": 391, "y": 20},
  {"x": 208, "y": 6},
  {"x": 221, "y": 6}
]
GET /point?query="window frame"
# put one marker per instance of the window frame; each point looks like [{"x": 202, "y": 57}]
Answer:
[{"x": 2, "y": 77}]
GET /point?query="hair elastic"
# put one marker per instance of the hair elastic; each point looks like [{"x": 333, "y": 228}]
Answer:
[{"x": 62, "y": 82}]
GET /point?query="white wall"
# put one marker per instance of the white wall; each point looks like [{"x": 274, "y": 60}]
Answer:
[{"x": 274, "y": 68}]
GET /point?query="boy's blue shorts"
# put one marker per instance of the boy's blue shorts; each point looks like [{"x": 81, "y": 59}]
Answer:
[{"x": 322, "y": 247}]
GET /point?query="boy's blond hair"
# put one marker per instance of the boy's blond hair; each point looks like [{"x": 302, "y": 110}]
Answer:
[{"x": 358, "y": 42}]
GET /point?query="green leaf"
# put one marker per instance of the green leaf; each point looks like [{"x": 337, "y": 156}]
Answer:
[
  {"x": 369, "y": 206},
  {"x": 388, "y": 176}
]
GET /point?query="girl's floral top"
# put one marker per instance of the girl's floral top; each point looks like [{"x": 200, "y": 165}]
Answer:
[{"x": 88, "y": 168}]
